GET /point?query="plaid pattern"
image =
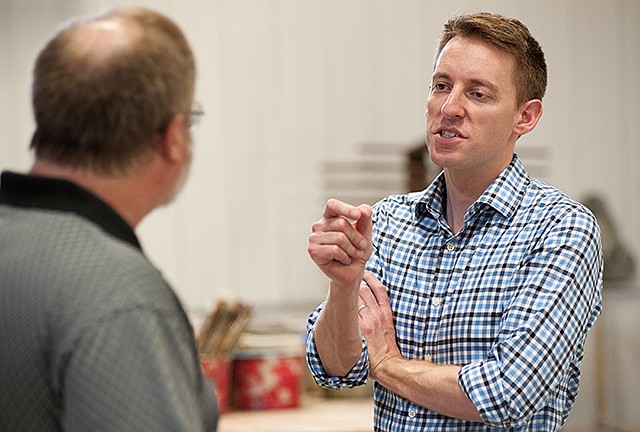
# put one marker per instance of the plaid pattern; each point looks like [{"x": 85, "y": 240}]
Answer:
[{"x": 511, "y": 297}]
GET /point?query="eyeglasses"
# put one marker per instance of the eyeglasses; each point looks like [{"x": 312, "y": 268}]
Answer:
[{"x": 196, "y": 115}]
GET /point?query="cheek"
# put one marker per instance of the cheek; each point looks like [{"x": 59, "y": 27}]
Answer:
[
  {"x": 429, "y": 105},
  {"x": 433, "y": 106},
  {"x": 430, "y": 109},
  {"x": 507, "y": 124}
]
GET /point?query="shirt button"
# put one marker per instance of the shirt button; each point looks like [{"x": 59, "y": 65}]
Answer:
[
  {"x": 428, "y": 357},
  {"x": 412, "y": 413},
  {"x": 450, "y": 247},
  {"x": 436, "y": 301}
]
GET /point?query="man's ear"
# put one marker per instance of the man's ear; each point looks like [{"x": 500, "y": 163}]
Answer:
[
  {"x": 530, "y": 113},
  {"x": 175, "y": 140}
]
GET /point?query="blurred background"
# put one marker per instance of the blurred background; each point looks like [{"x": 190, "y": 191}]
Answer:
[{"x": 309, "y": 99}]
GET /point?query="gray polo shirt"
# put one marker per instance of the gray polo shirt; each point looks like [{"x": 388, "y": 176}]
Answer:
[{"x": 92, "y": 338}]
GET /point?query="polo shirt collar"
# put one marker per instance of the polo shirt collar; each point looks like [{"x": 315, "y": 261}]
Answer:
[{"x": 61, "y": 195}]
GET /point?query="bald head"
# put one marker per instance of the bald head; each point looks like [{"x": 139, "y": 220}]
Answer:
[
  {"x": 99, "y": 40},
  {"x": 105, "y": 89}
]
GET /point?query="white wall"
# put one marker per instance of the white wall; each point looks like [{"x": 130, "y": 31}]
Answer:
[{"x": 287, "y": 84}]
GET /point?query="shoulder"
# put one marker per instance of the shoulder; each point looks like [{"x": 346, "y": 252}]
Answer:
[
  {"x": 552, "y": 202},
  {"x": 81, "y": 271},
  {"x": 557, "y": 218}
]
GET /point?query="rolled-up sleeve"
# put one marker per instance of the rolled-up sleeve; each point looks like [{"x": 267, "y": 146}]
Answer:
[
  {"x": 556, "y": 298},
  {"x": 357, "y": 375}
]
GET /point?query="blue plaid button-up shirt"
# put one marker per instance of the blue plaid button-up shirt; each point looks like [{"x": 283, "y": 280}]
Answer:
[{"x": 510, "y": 298}]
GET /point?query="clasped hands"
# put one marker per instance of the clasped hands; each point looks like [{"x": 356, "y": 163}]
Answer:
[{"x": 340, "y": 245}]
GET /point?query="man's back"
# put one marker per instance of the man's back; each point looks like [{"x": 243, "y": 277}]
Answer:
[{"x": 86, "y": 312}]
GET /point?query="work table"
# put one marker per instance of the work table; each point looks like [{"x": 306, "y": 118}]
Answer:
[{"x": 315, "y": 414}]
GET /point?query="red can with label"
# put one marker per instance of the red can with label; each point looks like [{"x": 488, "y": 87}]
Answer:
[
  {"x": 217, "y": 369},
  {"x": 267, "y": 380}
]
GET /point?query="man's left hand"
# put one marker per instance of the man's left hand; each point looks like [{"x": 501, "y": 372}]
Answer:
[{"x": 376, "y": 324}]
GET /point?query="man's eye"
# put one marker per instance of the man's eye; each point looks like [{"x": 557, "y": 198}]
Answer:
[{"x": 439, "y": 87}]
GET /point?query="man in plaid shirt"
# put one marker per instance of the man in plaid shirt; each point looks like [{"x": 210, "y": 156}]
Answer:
[{"x": 467, "y": 303}]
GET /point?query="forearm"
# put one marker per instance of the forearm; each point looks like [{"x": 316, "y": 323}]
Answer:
[
  {"x": 433, "y": 386},
  {"x": 337, "y": 336}
]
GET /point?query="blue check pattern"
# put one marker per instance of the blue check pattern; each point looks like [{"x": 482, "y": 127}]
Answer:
[{"x": 510, "y": 298}]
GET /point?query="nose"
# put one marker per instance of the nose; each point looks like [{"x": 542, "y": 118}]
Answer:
[{"x": 452, "y": 106}]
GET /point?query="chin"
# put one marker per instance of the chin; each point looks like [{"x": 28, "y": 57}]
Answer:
[{"x": 441, "y": 159}]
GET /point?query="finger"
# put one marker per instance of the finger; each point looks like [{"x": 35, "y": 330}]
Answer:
[
  {"x": 325, "y": 254},
  {"x": 342, "y": 225},
  {"x": 339, "y": 239},
  {"x": 377, "y": 289},
  {"x": 361, "y": 306},
  {"x": 335, "y": 208},
  {"x": 364, "y": 225},
  {"x": 367, "y": 296}
]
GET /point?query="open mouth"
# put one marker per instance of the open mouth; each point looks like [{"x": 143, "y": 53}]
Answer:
[{"x": 449, "y": 134}]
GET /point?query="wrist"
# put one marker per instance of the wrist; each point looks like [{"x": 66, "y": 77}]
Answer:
[{"x": 344, "y": 294}]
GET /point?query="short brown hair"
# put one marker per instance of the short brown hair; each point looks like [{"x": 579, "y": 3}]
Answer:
[
  {"x": 509, "y": 35},
  {"x": 103, "y": 112}
]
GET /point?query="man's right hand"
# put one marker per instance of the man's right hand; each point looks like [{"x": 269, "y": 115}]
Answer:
[{"x": 340, "y": 242}]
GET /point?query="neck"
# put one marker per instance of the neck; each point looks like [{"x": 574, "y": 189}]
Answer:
[
  {"x": 129, "y": 195},
  {"x": 461, "y": 194},
  {"x": 463, "y": 189}
]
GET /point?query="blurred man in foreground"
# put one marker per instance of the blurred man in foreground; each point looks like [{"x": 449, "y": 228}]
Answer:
[{"x": 93, "y": 338}]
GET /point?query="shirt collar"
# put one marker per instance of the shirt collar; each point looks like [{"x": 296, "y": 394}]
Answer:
[
  {"x": 503, "y": 195},
  {"x": 54, "y": 194},
  {"x": 506, "y": 191}
]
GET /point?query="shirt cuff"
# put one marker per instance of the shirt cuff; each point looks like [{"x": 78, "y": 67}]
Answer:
[
  {"x": 357, "y": 376},
  {"x": 480, "y": 381}
]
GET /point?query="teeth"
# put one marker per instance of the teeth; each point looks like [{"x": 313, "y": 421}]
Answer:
[{"x": 447, "y": 134}]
